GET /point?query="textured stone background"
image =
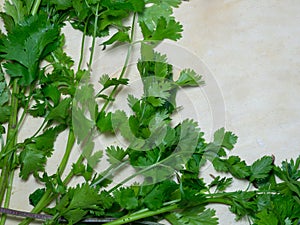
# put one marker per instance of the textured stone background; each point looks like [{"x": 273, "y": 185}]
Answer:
[{"x": 251, "y": 50}]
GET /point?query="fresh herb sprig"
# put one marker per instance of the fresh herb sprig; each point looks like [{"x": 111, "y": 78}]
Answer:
[{"x": 39, "y": 79}]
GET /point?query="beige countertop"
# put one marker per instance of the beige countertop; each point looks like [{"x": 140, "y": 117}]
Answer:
[{"x": 249, "y": 51}]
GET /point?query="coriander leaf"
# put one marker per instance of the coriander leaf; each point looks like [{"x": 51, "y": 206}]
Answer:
[
  {"x": 229, "y": 140},
  {"x": 265, "y": 218},
  {"x": 4, "y": 113},
  {"x": 61, "y": 4},
  {"x": 8, "y": 21},
  {"x": 34, "y": 156},
  {"x": 104, "y": 123},
  {"x": 32, "y": 160},
  {"x": 220, "y": 183},
  {"x": 207, "y": 217},
  {"x": 81, "y": 9},
  {"x": 4, "y": 99},
  {"x": 107, "y": 82},
  {"x": 127, "y": 198},
  {"x": 17, "y": 10},
  {"x": 83, "y": 197},
  {"x": 237, "y": 167},
  {"x": 74, "y": 205},
  {"x": 61, "y": 112},
  {"x": 35, "y": 197},
  {"x": 129, "y": 5},
  {"x": 87, "y": 152},
  {"x": 189, "y": 77},
  {"x": 153, "y": 12},
  {"x": 106, "y": 200},
  {"x": 52, "y": 93},
  {"x": 234, "y": 165},
  {"x": 164, "y": 30},
  {"x": 115, "y": 154},
  {"x": 29, "y": 43},
  {"x": 159, "y": 194},
  {"x": 260, "y": 168},
  {"x": 119, "y": 36}
]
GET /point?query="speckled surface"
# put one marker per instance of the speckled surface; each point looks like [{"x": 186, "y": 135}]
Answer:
[{"x": 251, "y": 53}]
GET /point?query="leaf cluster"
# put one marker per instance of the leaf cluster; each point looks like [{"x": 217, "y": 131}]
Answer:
[{"x": 38, "y": 79}]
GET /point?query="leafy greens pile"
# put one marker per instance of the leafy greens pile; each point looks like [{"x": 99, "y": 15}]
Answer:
[{"x": 39, "y": 79}]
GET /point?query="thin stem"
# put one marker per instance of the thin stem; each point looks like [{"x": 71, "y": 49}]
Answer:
[
  {"x": 94, "y": 39},
  {"x": 108, "y": 172},
  {"x": 82, "y": 48},
  {"x": 35, "y": 7},
  {"x": 124, "y": 68},
  {"x": 8, "y": 195},
  {"x": 69, "y": 147},
  {"x": 5, "y": 179},
  {"x": 137, "y": 216}
]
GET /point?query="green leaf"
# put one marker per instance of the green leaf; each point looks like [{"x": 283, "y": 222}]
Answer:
[
  {"x": 220, "y": 183},
  {"x": 159, "y": 194},
  {"x": 29, "y": 43},
  {"x": 155, "y": 11},
  {"x": 4, "y": 99},
  {"x": 83, "y": 197},
  {"x": 34, "y": 156},
  {"x": 164, "y": 30},
  {"x": 237, "y": 167},
  {"x": 81, "y": 8},
  {"x": 35, "y": 197},
  {"x": 265, "y": 218},
  {"x": 8, "y": 21},
  {"x": 128, "y": 5},
  {"x": 189, "y": 77},
  {"x": 104, "y": 123},
  {"x": 260, "y": 168},
  {"x": 74, "y": 205},
  {"x": 61, "y": 4},
  {"x": 53, "y": 93},
  {"x": 117, "y": 37},
  {"x": 16, "y": 10},
  {"x": 4, "y": 113},
  {"x": 115, "y": 154},
  {"x": 61, "y": 112},
  {"x": 127, "y": 198},
  {"x": 206, "y": 217},
  {"x": 32, "y": 160},
  {"x": 229, "y": 140},
  {"x": 107, "y": 82}
]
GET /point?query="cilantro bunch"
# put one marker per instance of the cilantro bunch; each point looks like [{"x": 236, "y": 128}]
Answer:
[{"x": 39, "y": 79}]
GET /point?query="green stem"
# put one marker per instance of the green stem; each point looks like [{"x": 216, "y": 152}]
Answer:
[
  {"x": 137, "y": 216},
  {"x": 82, "y": 47},
  {"x": 44, "y": 201},
  {"x": 35, "y": 7},
  {"x": 112, "y": 94},
  {"x": 8, "y": 195},
  {"x": 94, "y": 39},
  {"x": 108, "y": 172},
  {"x": 69, "y": 147},
  {"x": 5, "y": 179},
  {"x": 48, "y": 197}
]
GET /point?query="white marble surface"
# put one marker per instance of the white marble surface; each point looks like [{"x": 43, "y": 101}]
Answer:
[{"x": 252, "y": 50}]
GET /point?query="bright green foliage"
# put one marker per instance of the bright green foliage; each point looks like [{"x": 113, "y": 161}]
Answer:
[
  {"x": 4, "y": 99},
  {"x": 207, "y": 217},
  {"x": 74, "y": 205},
  {"x": 127, "y": 198},
  {"x": 36, "y": 150},
  {"x": 189, "y": 77},
  {"x": 44, "y": 82},
  {"x": 27, "y": 44},
  {"x": 260, "y": 169}
]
